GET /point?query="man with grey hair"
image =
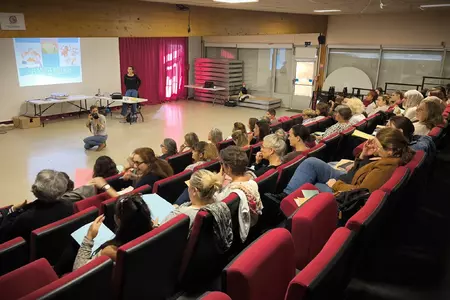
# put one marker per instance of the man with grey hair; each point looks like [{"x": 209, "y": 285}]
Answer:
[{"x": 25, "y": 217}]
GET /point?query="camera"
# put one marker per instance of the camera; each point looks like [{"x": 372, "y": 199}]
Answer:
[{"x": 95, "y": 115}]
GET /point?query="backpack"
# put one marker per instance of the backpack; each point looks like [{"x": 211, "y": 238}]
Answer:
[{"x": 349, "y": 203}]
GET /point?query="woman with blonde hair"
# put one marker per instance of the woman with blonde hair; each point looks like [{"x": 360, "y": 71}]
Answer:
[
  {"x": 411, "y": 102},
  {"x": 240, "y": 138},
  {"x": 147, "y": 169},
  {"x": 202, "y": 152},
  {"x": 272, "y": 150},
  {"x": 357, "y": 107}
]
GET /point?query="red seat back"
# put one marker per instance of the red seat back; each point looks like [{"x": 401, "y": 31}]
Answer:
[
  {"x": 267, "y": 183},
  {"x": 346, "y": 145},
  {"x": 263, "y": 270},
  {"x": 324, "y": 123},
  {"x": 361, "y": 125},
  {"x": 275, "y": 127},
  {"x": 286, "y": 171},
  {"x": 312, "y": 126},
  {"x": 26, "y": 279},
  {"x": 298, "y": 119},
  {"x": 311, "y": 226},
  {"x": 95, "y": 201},
  {"x": 214, "y": 296},
  {"x": 213, "y": 166},
  {"x": 287, "y": 125},
  {"x": 225, "y": 144},
  {"x": 253, "y": 150},
  {"x": 135, "y": 275},
  {"x": 329, "y": 273},
  {"x": 91, "y": 281},
  {"x": 13, "y": 254},
  {"x": 172, "y": 187},
  {"x": 332, "y": 143},
  {"x": 319, "y": 151},
  {"x": 372, "y": 123},
  {"x": 180, "y": 161},
  {"x": 51, "y": 240}
]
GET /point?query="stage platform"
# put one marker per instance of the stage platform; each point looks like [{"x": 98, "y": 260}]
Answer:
[{"x": 258, "y": 102}]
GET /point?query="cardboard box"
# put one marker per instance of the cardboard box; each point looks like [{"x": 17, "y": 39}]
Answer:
[{"x": 24, "y": 122}]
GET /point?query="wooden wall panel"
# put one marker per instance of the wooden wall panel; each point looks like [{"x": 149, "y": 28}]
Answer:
[{"x": 125, "y": 18}]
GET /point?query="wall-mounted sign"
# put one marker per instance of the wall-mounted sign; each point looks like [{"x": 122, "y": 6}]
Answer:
[{"x": 12, "y": 21}]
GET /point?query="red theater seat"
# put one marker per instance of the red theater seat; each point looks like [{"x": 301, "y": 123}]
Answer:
[
  {"x": 180, "y": 161},
  {"x": 26, "y": 279},
  {"x": 328, "y": 274},
  {"x": 287, "y": 125},
  {"x": 51, "y": 240},
  {"x": 253, "y": 150},
  {"x": 267, "y": 183},
  {"x": 332, "y": 142},
  {"x": 297, "y": 119},
  {"x": 311, "y": 226},
  {"x": 324, "y": 123},
  {"x": 361, "y": 126},
  {"x": 91, "y": 281},
  {"x": 319, "y": 151},
  {"x": 286, "y": 171},
  {"x": 147, "y": 267},
  {"x": 13, "y": 254},
  {"x": 225, "y": 144},
  {"x": 372, "y": 123},
  {"x": 275, "y": 127},
  {"x": 288, "y": 206},
  {"x": 263, "y": 270},
  {"x": 95, "y": 201},
  {"x": 214, "y": 296},
  {"x": 313, "y": 127},
  {"x": 172, "y": 187},
  {"x": 346, "y": 145},
  {"x": 213, "y": 166}
]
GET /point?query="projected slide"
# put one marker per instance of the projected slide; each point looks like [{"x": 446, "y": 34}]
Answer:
[{"x": 48, "y": 60}]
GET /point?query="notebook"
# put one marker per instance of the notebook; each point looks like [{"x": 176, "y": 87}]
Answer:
[
  {"x": 363, "y": 135},
  {"x": 159, "y": 207},
  {"x": 104, "y": 235}
]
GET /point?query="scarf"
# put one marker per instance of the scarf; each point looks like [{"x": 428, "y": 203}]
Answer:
[{"x": 223, "y": 232}]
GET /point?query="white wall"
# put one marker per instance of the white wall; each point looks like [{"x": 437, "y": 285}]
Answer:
[
  {"x": 412, "y": 29},
  {"x": 100, "y": 68}
]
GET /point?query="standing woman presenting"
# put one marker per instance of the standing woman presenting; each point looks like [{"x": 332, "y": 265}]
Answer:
[{"x": 132, "y": 83}]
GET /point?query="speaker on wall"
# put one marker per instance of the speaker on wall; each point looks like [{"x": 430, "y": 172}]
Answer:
[{"x": 321, "y": 39}]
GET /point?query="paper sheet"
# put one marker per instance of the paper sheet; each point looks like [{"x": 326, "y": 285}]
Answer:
[
  {"x": 159, "y": 207},
  {"x": 104, "y": 235},
  {"x": 309, "y": 193},
  {"x": 300, "y": 201},
  {"x": 363, "y": 135}
]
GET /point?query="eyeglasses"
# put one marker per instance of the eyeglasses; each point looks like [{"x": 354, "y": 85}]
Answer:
[{"x": 138, "y": 163}]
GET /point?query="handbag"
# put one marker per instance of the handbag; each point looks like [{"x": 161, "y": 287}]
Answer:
[
  {"x": 116, "y": 95},
  {"x": 349, "y": 203}
]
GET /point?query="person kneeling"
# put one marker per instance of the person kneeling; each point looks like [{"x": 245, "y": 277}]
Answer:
[{"x": 97, "y": 125}]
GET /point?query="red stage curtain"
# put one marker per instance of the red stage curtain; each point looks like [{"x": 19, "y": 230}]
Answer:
[{"x": 161, "y": 64}]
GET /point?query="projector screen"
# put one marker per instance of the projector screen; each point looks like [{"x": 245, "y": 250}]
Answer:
[{"x": 44, "y": 61}]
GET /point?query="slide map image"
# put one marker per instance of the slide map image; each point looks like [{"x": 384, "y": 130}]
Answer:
[{"x": 43, "y": 61}]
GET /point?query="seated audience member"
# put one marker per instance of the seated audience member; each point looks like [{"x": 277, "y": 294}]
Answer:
[
  {"x": 240, "y": 138},
  {"x": 439, "y": 97},
  {"x": 416, "y": 142},
  {"x": 342, "y": 117},
  {"x": 357, "y": 108},
  {"x": 21, "y": 219},
  {"x": 202, "y": 152},
  {"x": 168, "y": 148},
  {"x": 272, "y": 150},
  {"x": 262, "y": 128},
  {"x": 440, "y": 92},
  {"x": 105, "y": 167},
  {"x": 215, "y": 136},
  {"x": 379, "y": 91},
  {"x": 132, "y": 217},
  {"x": 203, "y": 185},
  {"x": 190, "y": 139},
  {"x": 239, "y": 126},
  {"x": 271, "y": 114},
  {"x": 410, "y": 104},
  {"x": 298, "y": 136},
  {"x": 309, "y": 116},
  {"x": 147, "y": 169},
  {"x": 337, "y": 101},
  {"x": 234, "y": 165},
  {"x": 391, "y": 149},
  {"x": 371, "y": 96},
  {"x": 251, "y": 125},
  {"x": 429, "y": 115},
  {"x": 396, "y": 99},
  {"x": 382, "y": 104}
]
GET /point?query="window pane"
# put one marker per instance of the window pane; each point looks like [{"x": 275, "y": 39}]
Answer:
[
  {"x": 257, "y": 69},
  {"x": 365, "y": 60},
  {"x": 409, "y": 66},
  {"x": 214, "y": 52},
  {"x": 283, "y": 79}
]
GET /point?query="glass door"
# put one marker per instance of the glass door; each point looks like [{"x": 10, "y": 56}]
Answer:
[{"x": 303, "y": 83}]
